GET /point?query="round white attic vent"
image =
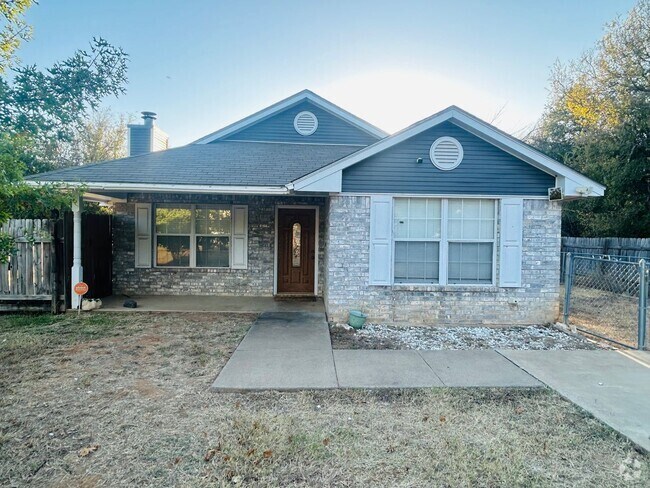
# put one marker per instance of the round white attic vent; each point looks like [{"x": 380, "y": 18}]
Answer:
[
  {"x": 305, "y": 123},
  {"x": 446, "y": 153}
]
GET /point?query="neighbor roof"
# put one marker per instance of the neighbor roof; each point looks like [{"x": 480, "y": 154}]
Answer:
[{"x": 223, "y": 163}]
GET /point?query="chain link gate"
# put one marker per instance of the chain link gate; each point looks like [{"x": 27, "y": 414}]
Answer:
[{"x": 607, "y": 298}]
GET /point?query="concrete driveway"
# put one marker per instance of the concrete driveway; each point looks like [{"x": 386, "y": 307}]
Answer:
[{"x": 613, "y": 386}]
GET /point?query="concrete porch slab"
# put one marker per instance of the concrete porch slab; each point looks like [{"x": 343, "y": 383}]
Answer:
[
  {"x": 612, "y": 386},
  {"x": 226, "y": 304},
  {"x": 383, "y": 369},
  {"x": 476, "y": 368}
]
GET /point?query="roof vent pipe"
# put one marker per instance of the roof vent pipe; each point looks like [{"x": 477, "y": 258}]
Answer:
[{"x": 149, "y": 118}]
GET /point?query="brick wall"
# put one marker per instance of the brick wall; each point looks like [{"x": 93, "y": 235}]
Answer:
[
  {"x": 348, "y": 264},
  {"x": 257, "y": 280}
]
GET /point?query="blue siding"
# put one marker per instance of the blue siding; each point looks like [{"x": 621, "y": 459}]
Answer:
[
  {"x": 279, "y": 128},
  {"x": 485, "y": 169}
]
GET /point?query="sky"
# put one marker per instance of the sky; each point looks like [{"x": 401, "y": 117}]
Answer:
[{"x": 203, "y": 64}]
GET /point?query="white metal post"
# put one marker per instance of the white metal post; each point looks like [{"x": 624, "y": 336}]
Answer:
[{"x": 77, "y": 269}]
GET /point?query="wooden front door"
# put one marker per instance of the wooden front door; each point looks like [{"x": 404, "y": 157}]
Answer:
[{"x": 296, "y": 250}]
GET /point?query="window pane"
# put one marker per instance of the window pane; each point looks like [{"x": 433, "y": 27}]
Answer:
[
  {"x": 470, "y": 262},
  {"x": 213, "y": 221},
  {"x": 401, "y": 208},
  {"x": 416, "y": 262},
  {"x": 471, "y": 229},
  {"x": 487, "y": 229},
  {"x": 213, "y": 252},
  {"x": 417, "y": 228},
  {"x": 173, "y": 220},
  {"x": 173, "y": 251},
  {"x": 295, "y": 245},
  {"x": 433, "y": 229},
  {"x": 418, "y": 208},
  {"x": 455, "y": 229},
  {"x": 455, "y": 209},
  {"x": 433, "y": 208},
  {"x": 417, "y": 218},
  {"x": 471, "y": 219},
  {"x": 471, "y": 209},
  {"x": 487, "y": 209}
]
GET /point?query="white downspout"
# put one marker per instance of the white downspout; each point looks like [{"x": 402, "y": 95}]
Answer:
[{"x": 77, "y": 269}]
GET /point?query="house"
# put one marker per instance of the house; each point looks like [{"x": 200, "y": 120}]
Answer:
[{"x": 449, "y": 221}]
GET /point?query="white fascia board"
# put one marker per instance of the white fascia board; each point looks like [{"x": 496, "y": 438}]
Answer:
[
  {"x": 94, "y": 197},
  {"x": 330, "y": 184},
  {"x": 286, "y": 103},
  {"x": 480, "y": 129},
  {"x": 161, "y": 188}
]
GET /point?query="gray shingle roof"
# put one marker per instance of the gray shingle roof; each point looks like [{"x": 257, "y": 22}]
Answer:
[{"x": 221, "y": 163}]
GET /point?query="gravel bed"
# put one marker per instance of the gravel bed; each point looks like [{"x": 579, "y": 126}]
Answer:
[{"x": 381, "y": 336}]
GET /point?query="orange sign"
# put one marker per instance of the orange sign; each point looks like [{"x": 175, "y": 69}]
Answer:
[{"x": 81, "y": 288}]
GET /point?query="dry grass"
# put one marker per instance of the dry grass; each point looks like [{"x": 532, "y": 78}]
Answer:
[
  {"x": 608, "y": 314},
  {"x": 123, "y": 400}
]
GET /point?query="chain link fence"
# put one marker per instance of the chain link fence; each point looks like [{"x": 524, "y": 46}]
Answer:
[{"x": 607, "y": 298}]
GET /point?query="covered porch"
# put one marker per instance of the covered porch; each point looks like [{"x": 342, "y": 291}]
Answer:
[
  {"x": 223, "y": 304},
  {"x": 212, "y": 251}
]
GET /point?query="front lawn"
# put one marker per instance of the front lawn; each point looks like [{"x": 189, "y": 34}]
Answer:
[{"x": 124, "y": 399}]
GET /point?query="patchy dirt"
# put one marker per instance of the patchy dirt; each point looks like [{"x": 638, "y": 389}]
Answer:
[
  {"x": 124, "y": 400},
  {"x": 380, "y": 336}
]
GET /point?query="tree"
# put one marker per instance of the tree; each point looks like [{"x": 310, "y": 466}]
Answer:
[
  {"x": 100, "y": 137},
  {"x": 13, "y": 29},
  {"x": 597, "y": 121},
  {"x": 40, "y": 110},
  {"x": 51, "y": 105}
]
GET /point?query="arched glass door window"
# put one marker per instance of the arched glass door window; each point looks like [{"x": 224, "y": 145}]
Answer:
[{"x": 295, "y": 245}]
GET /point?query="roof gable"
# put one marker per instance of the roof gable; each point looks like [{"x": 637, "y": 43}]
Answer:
[
  {"x": 275, "y": 124},
  {"x": 573, "y": 183},
  {"x": 485, "y": 169}
]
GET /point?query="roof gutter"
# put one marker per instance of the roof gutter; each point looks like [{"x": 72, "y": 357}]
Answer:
[{"x": 170, "y": 188}]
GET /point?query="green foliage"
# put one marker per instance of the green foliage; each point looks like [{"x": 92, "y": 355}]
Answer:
[
  {"x": 7, "y": 247},
  {"x": 43, "y": 112},
  {"x": 20, "y": 200},
  {"x": 13, "y": 29},
  {"x": 598, "y": 122},
  {"x": 52, "y": 105}
]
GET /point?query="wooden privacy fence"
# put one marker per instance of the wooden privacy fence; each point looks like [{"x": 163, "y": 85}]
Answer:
[
  {"x": 628, "y": 248},
  {"x": 29, "y": 280}
]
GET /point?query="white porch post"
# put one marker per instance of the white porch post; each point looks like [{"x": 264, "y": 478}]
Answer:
[{"x": 77, "y": 269}]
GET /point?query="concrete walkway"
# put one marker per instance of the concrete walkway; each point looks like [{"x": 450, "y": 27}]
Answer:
[
  {"x": 613, "y": 386},
  {"x": 292, "y": 350}
]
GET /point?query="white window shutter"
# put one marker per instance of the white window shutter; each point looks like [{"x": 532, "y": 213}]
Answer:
[
  {"x": 381, "y": 219},
  {"x": 239, "y": 237},
  {"x": 512, "y": 213},
  {"x": 143, "y": 235}
]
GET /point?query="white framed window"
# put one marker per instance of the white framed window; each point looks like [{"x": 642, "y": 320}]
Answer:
[
  {"x": 193, "y": 236},
  {"x": 471, "y": 225},
  {"x": 417, "y": 224},
  {"x": 444, "y": 241}
]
